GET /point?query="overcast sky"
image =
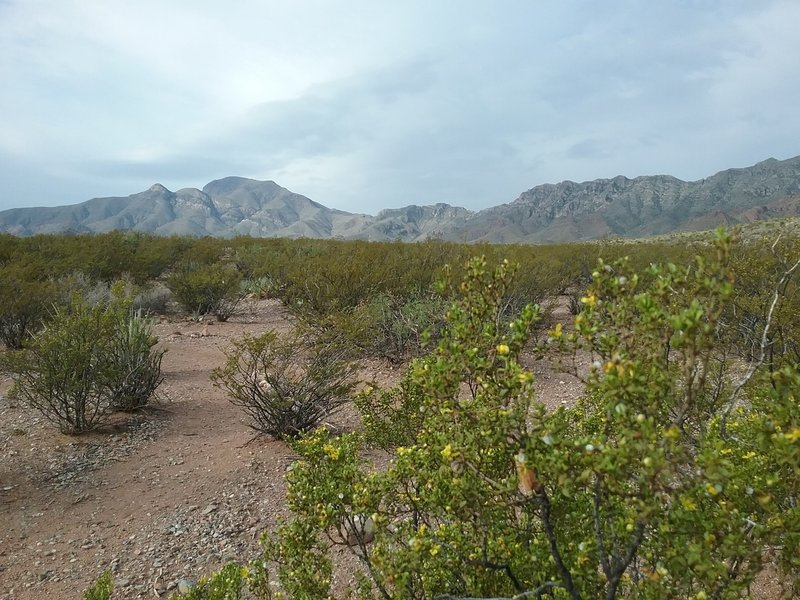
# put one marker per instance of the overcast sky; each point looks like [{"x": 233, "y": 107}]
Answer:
[{"x": 363, "y": 105}]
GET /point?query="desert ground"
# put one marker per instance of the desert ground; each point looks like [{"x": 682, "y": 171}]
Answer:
[{"x": 169, "y": 493}]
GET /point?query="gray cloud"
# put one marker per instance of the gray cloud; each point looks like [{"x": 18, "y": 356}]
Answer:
[{"x": 363, "y": 108}]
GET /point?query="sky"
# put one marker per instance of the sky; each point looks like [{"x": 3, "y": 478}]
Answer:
[{"x": 365, "y": 105}]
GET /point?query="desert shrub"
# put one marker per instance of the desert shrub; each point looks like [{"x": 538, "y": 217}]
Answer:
[
  {"x": 155, "y": 255},
  {"x": 539, "y": 276},
  {"x": 401, "y": 327},
  {"x": 86, "y": 362},
  {"x": 760, "y": 265},
  {"x": 658, "y": 484},
  {"x": 152, "y": 298},
  {"x": 392, "y": 417},
  {"x": 135, "y": 360},
  {"x": 386, "y": 326},
  {"x": 261, "y": 287},
  {"x": 206, "y": 289},
  {"x": 249, "y": 259},
  {"x": 93, "y": 291},
  {"x": 25, "y": 303},
  {"x": 101, "y": 589},
  {"x": 226, "y": 584},
  {"x": 286, "y": 384},
  {"x": 63, "y": 372}
]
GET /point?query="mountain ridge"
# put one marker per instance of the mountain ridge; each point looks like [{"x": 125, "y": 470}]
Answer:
[{"x": 566, "y": 211}]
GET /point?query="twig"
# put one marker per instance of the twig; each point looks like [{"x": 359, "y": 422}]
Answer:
[
  {"x": 755, "y": 364},
  {"x": 569, "y": 585},
  {"x": 537, "y": 593}
]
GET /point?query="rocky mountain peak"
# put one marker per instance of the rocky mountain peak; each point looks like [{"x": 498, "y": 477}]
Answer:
[{"x": 157, "y": 188}]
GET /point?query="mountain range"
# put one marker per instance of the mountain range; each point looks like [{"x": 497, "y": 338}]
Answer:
[{"x": 567, "y": 211}]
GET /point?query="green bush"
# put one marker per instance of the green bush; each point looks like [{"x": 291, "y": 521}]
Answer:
[
  {"x": 101, "y": 589},
  {"x": 25, "y": 305},
  {"x": 136, "y": 362},
  {"x": 286, "y": 384},
  {"x": 152, "y": 299},
  {"x": 638, "y": 491},
  {"x": 207, "y": 289},
  {"x": 392, "y": 327},
  {"x": 88, "y": 361},
  {"x": 392, "y": 417}
]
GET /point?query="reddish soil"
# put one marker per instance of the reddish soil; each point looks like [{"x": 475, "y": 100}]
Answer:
[{"x": 167, "y": 494}]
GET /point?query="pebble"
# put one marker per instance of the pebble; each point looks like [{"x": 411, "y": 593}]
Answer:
[{"x": 186, "y": 585}]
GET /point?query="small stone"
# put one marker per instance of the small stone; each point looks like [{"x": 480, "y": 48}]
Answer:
[
  {"x": 185, "y": 586},
  {"x": 209, "y": 509}
]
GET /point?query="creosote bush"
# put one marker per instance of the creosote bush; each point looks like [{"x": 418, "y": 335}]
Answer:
[
  {"x": 286, "y": 384},
  {"x": 25, "y": 306},
  {"x": 207, "y": 289},
  {"x": 657, "y": 484},
  {"x": 672, "y": 477},
  {"x": 395, "y": 328},
  {"x": 87, "y": 362}
]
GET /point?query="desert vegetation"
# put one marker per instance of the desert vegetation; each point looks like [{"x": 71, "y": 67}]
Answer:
[
  {"x": 86, "y": 362},
  {"x": 676, "y": 474}
]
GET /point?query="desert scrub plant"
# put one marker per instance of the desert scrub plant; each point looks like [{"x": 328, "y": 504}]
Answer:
[
  {"x": 26, "y": 301},
  {"x": 152, "y": 298},
  {"x": 286, "y": 384},
  {"x": 388, "y": 326},
  {"x": 392, "y": 417},
  {"x": 101, "y": 589},
  {"x": 261, "y": 288},
  {"x": 206, "y": 288},
  {"x": 136, "y": 362},
  {"x": 86, "y": 361},
  {"x": 63, "y": 372},
  {"x": 636, "y": 492},
  {"x": 399, "y": 327}
]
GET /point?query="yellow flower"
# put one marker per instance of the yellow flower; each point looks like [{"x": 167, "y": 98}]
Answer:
[
  {"x": 447, "y": 452},
  {"x": 689, "y": 504},
  {"x": 524, "y": 377},
  {"x": 793, "y": 435},
  {"x": 750, "y": 454},
  {"x": 589, "y": 300},
  {"x": 557, "y": 332},
  {"x": 503, "y": 349},
  {"x": 331, "y": 451}
]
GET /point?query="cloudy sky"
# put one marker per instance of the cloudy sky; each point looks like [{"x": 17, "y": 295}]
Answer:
[{"x": 363, "y": 105}]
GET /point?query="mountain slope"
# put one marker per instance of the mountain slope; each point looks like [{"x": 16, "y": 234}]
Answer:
[
  {"x": 638, "y": 207},
  {"x": 567, "y": 211}
]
